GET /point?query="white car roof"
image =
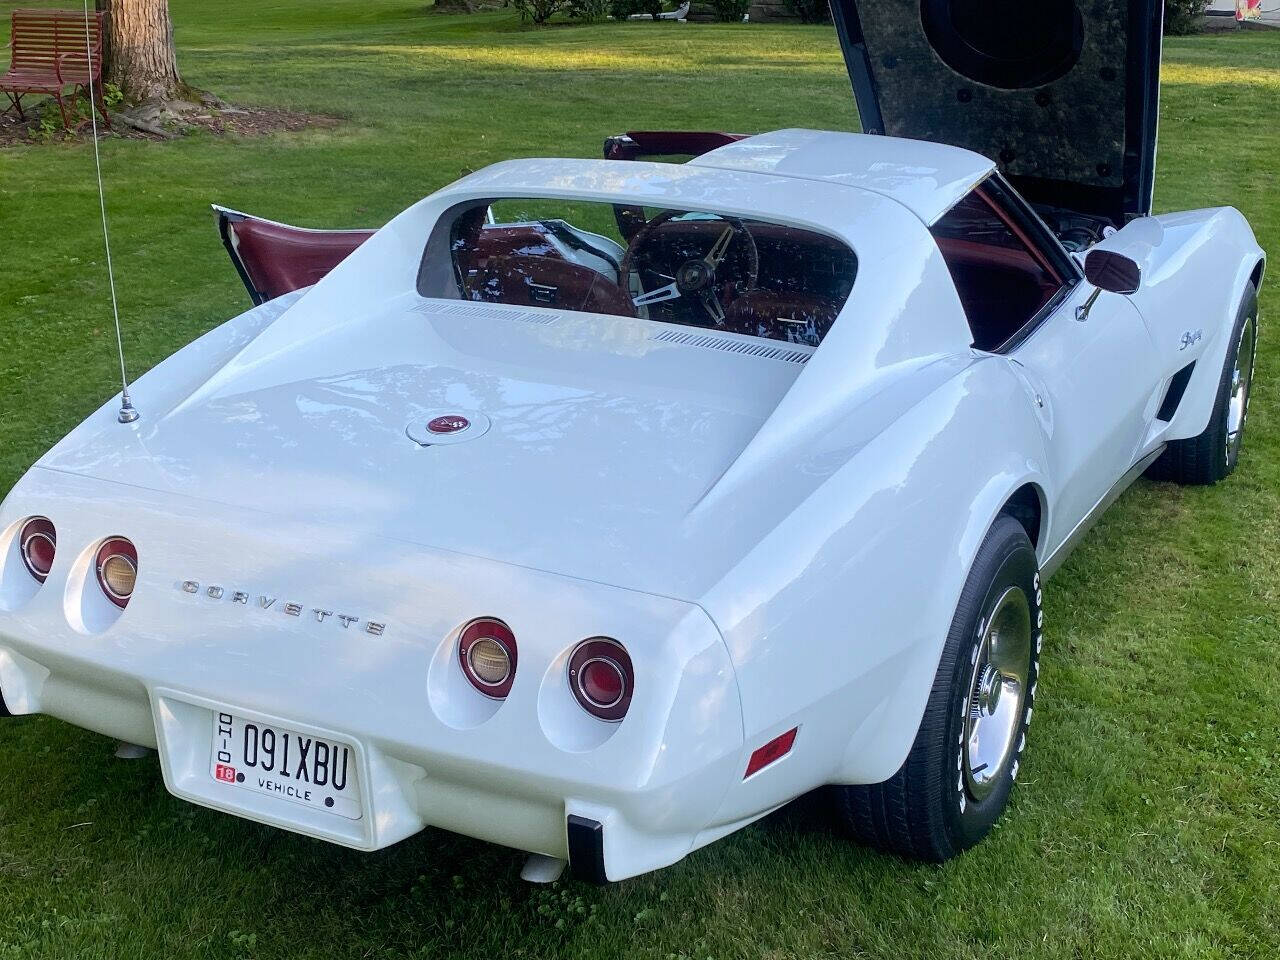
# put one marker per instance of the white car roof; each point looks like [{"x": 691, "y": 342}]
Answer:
[
  {"x": 827, "y": 175},
  {"x": 861, "y": 217},
  {"x": 836, "y": 182},
  {"x": 927, "y": 178}
]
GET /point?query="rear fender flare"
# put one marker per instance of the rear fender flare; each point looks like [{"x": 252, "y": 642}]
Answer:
[
  {"x": 837, "y": 619},
  {"x": 899, "y": 722}
]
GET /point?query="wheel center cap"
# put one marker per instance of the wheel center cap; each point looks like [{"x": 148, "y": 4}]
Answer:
[{"x": 989, "y": 689}]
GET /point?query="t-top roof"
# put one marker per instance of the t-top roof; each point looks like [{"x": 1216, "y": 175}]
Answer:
[{"x": 927, "y": 178}]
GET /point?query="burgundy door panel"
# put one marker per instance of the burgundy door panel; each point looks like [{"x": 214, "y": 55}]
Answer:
[
  {"x": 536, "y": 281},
  {"x": 636, "y": 144},
  {"x": 274, "y": 258}
]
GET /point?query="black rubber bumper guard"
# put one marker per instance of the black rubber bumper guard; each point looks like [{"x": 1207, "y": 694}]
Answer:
[{"x": 586, "y": 849}]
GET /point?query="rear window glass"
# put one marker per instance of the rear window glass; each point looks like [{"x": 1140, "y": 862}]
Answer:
[{"x": 684, "y": 267}]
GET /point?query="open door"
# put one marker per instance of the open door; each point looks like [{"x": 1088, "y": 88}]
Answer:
[
  {"x": 650, "y": 144},
  {"x": 274, "y": 258}
]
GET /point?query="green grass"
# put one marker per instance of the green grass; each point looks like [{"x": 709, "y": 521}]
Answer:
[{"x": 1146, "y": 822}]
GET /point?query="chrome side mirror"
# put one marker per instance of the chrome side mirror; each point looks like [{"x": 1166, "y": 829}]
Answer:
[
  {"x": 1109, "y": 271},
  {"x": 1113, "y": 272}
]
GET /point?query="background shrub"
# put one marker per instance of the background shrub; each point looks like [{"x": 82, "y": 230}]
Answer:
[
  {"x": 621, "y": 9},
  {"x": 810, "y": 11},
  {"x": 588, "y": 11},
  {"x": 1184, "y": 16},
  {"x": 730, "y": 11},
  {"x": 539, "y": 11}
]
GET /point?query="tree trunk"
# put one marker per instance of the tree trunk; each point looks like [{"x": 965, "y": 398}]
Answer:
[{"x": 140, "y": 56}]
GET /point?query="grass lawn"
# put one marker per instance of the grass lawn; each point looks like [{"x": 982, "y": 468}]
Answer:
[{"x": 1145, "y": 824}]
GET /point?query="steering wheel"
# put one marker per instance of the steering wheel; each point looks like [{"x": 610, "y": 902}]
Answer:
[{"x": 693, "y": 278}]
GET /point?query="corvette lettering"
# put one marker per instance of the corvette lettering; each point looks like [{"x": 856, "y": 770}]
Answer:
[{"x": 288, "y": 608}]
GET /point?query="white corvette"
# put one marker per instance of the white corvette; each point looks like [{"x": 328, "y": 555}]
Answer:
[{"x": 599, "y": 507}]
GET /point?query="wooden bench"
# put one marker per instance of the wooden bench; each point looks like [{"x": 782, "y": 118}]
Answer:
[{"x": 51, "y": 50}]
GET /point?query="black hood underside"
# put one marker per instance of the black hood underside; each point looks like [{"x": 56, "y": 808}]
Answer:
[{"x": 1062, "y": 94}]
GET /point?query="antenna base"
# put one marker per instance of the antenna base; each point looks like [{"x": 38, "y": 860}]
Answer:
[{"x": 127, "y": 412}]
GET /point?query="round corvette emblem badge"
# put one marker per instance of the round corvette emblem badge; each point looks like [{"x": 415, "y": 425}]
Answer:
[
  {"x": 436, "y": 428},
  {"x": 449, "y": 423}
]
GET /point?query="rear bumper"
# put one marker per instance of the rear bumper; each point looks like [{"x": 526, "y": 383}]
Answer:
[{"x": 430, "y": 750}]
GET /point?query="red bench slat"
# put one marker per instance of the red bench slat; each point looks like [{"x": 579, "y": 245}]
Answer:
[{"x": 47, "y": 53}]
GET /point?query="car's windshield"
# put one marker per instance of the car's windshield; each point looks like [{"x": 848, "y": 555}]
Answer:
[{"x": 734, "y": 274}]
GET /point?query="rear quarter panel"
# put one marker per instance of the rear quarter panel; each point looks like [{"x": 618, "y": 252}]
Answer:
[{"x": 835, "y": 622}]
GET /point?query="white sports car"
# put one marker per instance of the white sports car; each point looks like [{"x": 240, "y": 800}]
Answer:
[{"x": 599, "y": 507}]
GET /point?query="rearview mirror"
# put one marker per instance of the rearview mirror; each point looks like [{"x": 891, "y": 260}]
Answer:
[{"x": 1113, "y": 272}]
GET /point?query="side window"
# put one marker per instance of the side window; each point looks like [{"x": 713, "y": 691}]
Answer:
[{"x": 1003, "y": 280}]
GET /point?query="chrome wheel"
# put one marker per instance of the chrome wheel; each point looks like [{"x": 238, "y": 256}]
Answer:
[
  {"x": 1241, "y": 381},
  {"x": 997, "y": 693}
]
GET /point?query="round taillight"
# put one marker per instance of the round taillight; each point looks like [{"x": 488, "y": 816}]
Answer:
[
  {"x": 38, "y": 542},
  {"x": 117, "y": 565},
  {"x": 487, "y": 652},
  {"x": 602, "y": 682},
  {"x": 601, "y": 678}
]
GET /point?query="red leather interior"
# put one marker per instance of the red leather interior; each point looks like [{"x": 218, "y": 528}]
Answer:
[
  {"x": 516, "y": 264},
  {"x": 279, "y": 259},
  {"x": 974, "y": 254},
  {"x": 797, "y": 299},
  {"x": 999, "y": 287},
  {"x": 538, "y": 281},
  {"x": 505, "y": 241},
  {"x": 794, "y": 317},
  {"x": 476, "y": 242}
]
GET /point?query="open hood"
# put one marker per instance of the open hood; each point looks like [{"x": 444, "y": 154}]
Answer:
[{"x": 1063, "y": 94}]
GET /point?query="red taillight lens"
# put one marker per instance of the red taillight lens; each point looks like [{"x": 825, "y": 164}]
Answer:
[
  {"x": 38, "y": 541},
  {"x": 117, "y": 566},
  {"x": 601, "y": 678},
  {"x": 602, "y": 682},
  {"x": 487, "y": 652}
]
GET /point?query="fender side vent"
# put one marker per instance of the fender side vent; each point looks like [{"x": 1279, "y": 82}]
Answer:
[
  {"x": 1173, "y": 396},
  {"x": 743, "y": 347},
  {"x": 479, "y": 311}
]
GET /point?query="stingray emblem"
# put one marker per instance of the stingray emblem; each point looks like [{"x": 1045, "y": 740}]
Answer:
[{"x": 1190, "y": 337}]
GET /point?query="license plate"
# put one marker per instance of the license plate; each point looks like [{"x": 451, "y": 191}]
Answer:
[{"x": 284, "y": 763}]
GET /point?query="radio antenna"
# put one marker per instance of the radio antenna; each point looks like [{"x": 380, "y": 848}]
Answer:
[{"x": 127, "y": 414}]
